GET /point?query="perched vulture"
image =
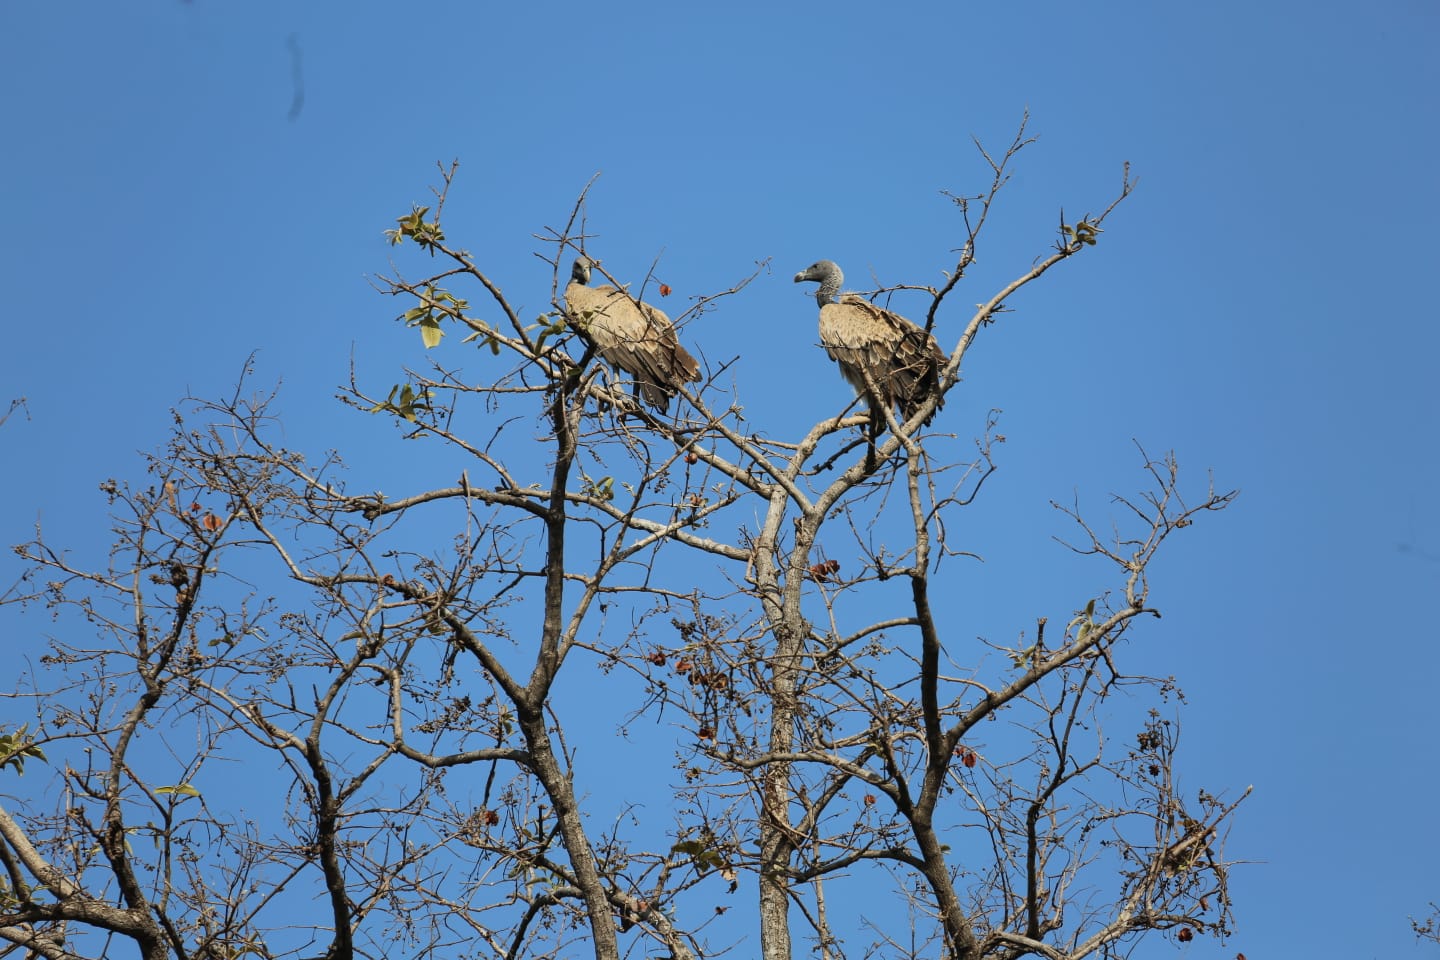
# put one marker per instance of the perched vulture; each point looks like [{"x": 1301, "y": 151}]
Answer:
[
  {"x": 631, "y": 335},
  {"x": 900, "y": 359}
]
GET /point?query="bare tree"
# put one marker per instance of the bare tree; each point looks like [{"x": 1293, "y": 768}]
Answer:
[
  {"x": 297, "y": 717},
  {"x": 17, "y": 404}
]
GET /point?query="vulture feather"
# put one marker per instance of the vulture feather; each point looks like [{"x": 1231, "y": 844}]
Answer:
[
  {"x": 631, "y": 335},
  {"x": 902, "y": 361}
]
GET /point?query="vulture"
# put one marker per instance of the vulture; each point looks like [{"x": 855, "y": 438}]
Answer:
[
  {"x": 901, "y": 360},
  {"x": 631, "y": 335}
]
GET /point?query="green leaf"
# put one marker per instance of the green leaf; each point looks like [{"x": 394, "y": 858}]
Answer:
[
  {"x": 407, "y": 402},
  {"x": 702, "y": 856},
  {"x": 184, "y": 789},
  {"x": 406, "y": 406},
  {"x": 430, "y": 332},
  {"x": 16, "y": 747}
]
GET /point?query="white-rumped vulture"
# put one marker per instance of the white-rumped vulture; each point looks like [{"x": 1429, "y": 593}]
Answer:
[
  {"x": 631, "y": 335},
  {"x": 901, "y": 360}
]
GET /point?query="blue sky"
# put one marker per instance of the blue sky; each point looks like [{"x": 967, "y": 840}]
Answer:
[{"x": 1262, "y": 304}]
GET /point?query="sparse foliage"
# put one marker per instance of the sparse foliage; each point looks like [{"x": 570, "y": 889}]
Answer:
[
  {"x": 298, "y": 717},
  {"x": 1429, "y": 927}
]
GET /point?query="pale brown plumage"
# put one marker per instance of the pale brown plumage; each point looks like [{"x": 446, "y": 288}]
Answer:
[
  {"x": 631, "y": 335},
  {"x": 900, "y": 359}
]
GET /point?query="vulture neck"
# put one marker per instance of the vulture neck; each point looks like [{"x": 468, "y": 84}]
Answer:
[{"x": 829, "y": 291}]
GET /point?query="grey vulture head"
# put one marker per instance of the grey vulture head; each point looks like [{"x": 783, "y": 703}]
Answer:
[
  {"x": 631, "y": 335},
  {"x": 875, "y": 347}
]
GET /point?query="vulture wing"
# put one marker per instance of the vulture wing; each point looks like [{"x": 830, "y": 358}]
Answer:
[
  {"x": 899, "y": 358},
  {"x": 633, "y": 337}
]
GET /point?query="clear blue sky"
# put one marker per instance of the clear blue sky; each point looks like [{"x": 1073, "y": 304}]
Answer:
[{"x": 1263, "y": 304}]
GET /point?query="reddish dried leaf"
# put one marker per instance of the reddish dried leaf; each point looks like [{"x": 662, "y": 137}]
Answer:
[{"x": 664, "y": 289}]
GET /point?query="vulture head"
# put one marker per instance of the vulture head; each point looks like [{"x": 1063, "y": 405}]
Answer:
[
  {"x": 829, "y": 276},
  {"x": 580, "y": 269}
]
